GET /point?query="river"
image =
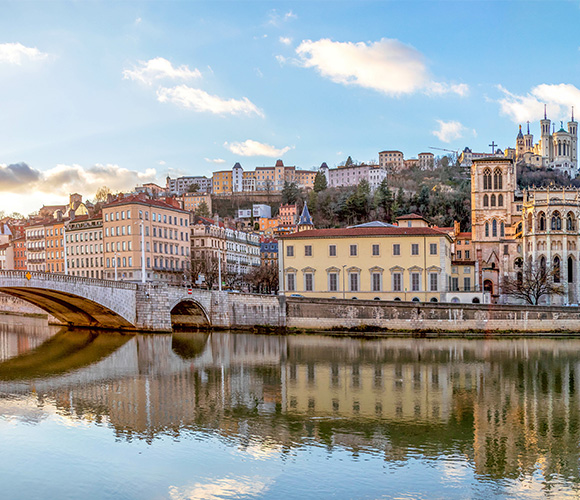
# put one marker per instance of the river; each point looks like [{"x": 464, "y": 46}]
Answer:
[{"x": 229, "y": 415}]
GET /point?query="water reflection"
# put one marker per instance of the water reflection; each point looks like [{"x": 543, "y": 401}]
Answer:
[{"x": 510, "y": 407}]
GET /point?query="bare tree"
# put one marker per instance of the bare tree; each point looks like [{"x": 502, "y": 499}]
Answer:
[
  {"x": 264, "y": 279},
  {"x": 533, "y": 282}
]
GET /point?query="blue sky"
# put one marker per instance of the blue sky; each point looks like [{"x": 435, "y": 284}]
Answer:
[{"x": 121, "y": 93}]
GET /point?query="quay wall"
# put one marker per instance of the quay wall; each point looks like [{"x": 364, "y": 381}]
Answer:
[
  {"x": 415, "y": 317},
  {"x": 18, "y": 307}
]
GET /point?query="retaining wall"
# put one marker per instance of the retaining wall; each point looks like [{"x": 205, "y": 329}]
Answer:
[{"x": 328, "y": 314}]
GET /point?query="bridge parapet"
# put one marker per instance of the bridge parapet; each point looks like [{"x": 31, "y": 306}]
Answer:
[{"x": 63, "y": 278}]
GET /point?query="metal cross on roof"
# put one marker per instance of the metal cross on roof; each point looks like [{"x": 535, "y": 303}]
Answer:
[{"x": 493, "y": 145}]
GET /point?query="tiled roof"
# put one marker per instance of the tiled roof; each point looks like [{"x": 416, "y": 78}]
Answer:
[
  {"x": 365, "y": 231},
  {"x": 140, "y": 198},
  {"x": 411, "y": 216}
]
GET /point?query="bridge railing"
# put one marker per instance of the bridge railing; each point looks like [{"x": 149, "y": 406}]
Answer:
[{"x": 63, "y": 278}]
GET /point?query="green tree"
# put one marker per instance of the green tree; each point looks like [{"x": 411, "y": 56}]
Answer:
[
  {"x": 348, "y": 162},
  {"x": 202, "y": 210},
  {"x": 291, "y": 193},
  {"x": 320, "y": 182},
  {"x": 194, "y": 188}
]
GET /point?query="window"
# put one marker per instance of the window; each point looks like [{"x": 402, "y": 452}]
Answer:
[
  {"x": 376, "y": 282},
  {"x": 375, "y": 249},
  {"x": 433, "y": 248},
  {"x": 308, "y": 282},
  {"x": 353, "y": 250},
  {"x": 494, "y": 228},
  {"x": 397, "y": 282},
  {"x": 467, "y": 284},
  {"x": 415, "y": 282},
  {"x": 487, "y": 179},
  {"x": 396, "y": 249},
  {"x": 332, "y": 250},
  {"x": 493, "y": 200},
  {"x": 353, "y": 280},
  {"x": 497, "y": 179},
  {"x": 467, "y": 254},
  {"x": 500, "y": 200},
  {"x": 487, "y": 229},
  {"x": 332, "y": 282},
  {"x": 454, "y": 284},
  {"x": 290, "y": 251},
  {"x": 459, "y": 254},
  {"x": 467, "y": 270},
  {"x": 414, "y": 248},
  {"x": 291, "y": 282},
  {"x": 433, "y": 282},
  {"x": 308, "y": 250}
]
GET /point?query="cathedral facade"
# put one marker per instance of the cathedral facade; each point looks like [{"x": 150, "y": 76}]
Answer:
[
  {"x": 556, "y": 150},
  {"x": 509, "y": 228}
]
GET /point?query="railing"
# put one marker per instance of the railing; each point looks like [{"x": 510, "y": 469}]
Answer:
[{"x": 63, "y": 278}]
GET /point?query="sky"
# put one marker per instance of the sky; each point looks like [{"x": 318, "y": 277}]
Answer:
[{"x": 122, "y": 93}]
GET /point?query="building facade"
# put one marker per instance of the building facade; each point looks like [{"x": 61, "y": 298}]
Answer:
[
  {"x": 386, "y": 263},
  {"x": 84, "y": 247}
]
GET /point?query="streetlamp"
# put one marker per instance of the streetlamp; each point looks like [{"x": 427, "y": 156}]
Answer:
[
  {"x": 115, "y": 265},
  {"x": 343, "y": 289}
]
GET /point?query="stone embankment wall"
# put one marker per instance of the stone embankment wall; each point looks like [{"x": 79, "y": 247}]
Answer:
[
  {"x": 334, "y": 314},
  {"x": 18, "y": 307}
]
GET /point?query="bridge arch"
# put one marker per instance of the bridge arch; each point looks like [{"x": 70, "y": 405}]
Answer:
[
  {"x": 80, "y": 302},
  {"x": 188, "y": 312}
]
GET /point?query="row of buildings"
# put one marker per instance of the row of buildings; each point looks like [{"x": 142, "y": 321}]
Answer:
[
  {"x": 272, "y": 179},
  {"x": 133, "y": 238}
]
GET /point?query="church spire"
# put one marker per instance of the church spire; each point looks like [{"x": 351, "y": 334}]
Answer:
[
  {"x": 545, "y": 115},
  {"x": 305, "y": 220}
]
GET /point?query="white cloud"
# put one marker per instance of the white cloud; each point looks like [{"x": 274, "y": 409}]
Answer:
[
  {"x": 285, "y": 40},
  {"x": 220, "y": 489},
  {"x": 255, "y": 148},
  {"x": 148, "y": 72},
  {"x": 290, "y": 15},
  {"x": 281, "y": 60},
  {"x": 387, "y": 66},
  {"x": 138, "y": 21},
  {"x": 24, "y": 188},
  {"x": 16, "y": 53},
  {"x": 449, "y": 131},
  {"x": 275, "y": 19},
  {"x": 559, "y": 98},
  {"x": 215, "y": 160},
  {"x": 161, "y": 162},
  {"x": 201, "y": 101}
]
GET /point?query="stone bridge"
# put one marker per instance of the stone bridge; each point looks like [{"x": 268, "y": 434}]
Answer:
[{"x": 155, "y": 307}]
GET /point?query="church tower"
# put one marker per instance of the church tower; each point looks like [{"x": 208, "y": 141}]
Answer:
[
  {"x": 528, "y": 140},
  {"x": 573, "y": 131},
  {"x": 545, "y": 140},
  {"x": 520, "y": 144},
  {"x": 305, "y": 222}
]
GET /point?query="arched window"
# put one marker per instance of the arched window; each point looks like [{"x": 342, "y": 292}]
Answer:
[
  {"x": 570, "y": 270},
  {"x": 543, "y": 264},
  {"x": 497, "y": 179},
  {"x": 500, "y": 200},
  {"x": 487, "y": 179},
  {"x": 519, "y": 229},
  {"x": 570, "y": 226},
  {"x": 542, "y": 221},
  {"x": 487, "y": 229},
  {"x": 502, "y": 229},
  {"x": 556, "y": 269},
  {"x": 494, "y": 228},
  {"x": 556, "y": 222},
  {"x": 493, "y": 200},
  {"x": 485, "y": 200}
]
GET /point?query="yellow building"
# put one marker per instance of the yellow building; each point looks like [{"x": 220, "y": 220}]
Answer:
[
  {"x": 268, "y": 224},
  {"x": 371, "y": 261},
  {"x": 222, "y": 182},
  {"x": 192, "y": 201}
]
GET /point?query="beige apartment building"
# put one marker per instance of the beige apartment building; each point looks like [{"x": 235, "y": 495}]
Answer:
[
  {"x": 142, "y": 233},
  {"x": 84, "y": 247},
  {"x": 54, "y": 236},
  {"x": 36, "y": 247}
]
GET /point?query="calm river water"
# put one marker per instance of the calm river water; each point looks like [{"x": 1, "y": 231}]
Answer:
[{"x": 87, "y": 415}]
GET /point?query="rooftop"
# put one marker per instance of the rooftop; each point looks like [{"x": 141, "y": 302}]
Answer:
[{"x": 365, "y": 231}]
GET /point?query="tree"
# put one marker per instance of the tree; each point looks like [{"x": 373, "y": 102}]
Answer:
[
  {"x": 102, "y": 194},
  {"x": 194, "y": 188},
  {"x": 202, "y": 210},
  {"x": 291, "y": 193},
  {"x": 264, "y": 279},
  {"x": 348, "y": 162},
  {"x": 320, "y": 182},
  {"x": 533, "y": 282}
]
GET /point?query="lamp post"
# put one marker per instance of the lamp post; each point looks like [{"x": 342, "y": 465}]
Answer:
[
  {"x": 343, "y": 277},
  {"x": 143, "y": 275},
  {"x": 115, "y": 265}
]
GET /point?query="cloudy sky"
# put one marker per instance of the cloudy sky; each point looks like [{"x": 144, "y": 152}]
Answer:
[{"x": 122, "y": 93}]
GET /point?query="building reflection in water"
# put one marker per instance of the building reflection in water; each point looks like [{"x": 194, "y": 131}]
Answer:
[{"x": 511, "y": 406}]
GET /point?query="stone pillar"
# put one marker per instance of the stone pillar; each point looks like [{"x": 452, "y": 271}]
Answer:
[{"x": 152, "y": 303}]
